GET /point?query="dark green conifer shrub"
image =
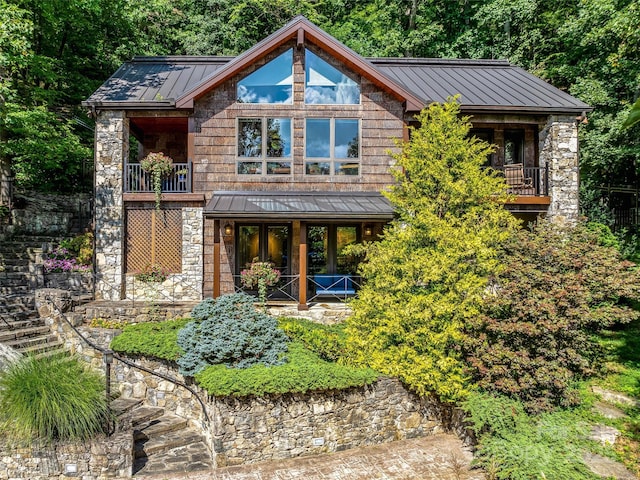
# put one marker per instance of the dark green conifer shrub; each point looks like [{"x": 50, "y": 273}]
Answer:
[
  {"x": 232, "y": 332},
  {"x": 535, "y": 337}
]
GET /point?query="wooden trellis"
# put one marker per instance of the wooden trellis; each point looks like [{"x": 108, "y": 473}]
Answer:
[{"x": 154, "y": 238}]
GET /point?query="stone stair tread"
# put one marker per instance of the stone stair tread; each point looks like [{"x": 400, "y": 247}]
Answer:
[
  {"x": 194, "y": 457},
  {"x": 166, "y": 441},
  {"x": 145, "y": 413},
  {"x": 25, "y": 342},
  {"x": 21, "y": 324},
  {"x": 164, "y": 424},
  {"x": 42, "y": 347},
  {"x": 15, "y": 334},
  {"x": 122, "y": 405}
]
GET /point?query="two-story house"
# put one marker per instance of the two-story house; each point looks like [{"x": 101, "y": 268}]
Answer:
[{"x": 280, "y": 155}]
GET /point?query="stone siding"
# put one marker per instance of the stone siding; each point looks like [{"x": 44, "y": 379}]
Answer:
[
  {"x": 559, "y": 150},
  {"x": 77, "y": 283},
  {"x": 112, "y": 147},
  {"x": 101, "y": 458}
]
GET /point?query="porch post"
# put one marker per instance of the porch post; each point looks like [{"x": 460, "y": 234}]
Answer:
[
  {"x": 216, "y": 258},
  {"x": 302, "y": 305}
]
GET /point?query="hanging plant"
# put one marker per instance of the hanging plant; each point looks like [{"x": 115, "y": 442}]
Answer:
[{"x": 158, "y": 165}]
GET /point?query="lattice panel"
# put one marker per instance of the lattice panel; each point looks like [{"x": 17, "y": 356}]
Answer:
[{"x": 154, "y": 237}]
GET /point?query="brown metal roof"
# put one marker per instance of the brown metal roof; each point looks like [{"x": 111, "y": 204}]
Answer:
[
  {"x": 484, "y": 85},
  {"x": 300, "y": 205}
]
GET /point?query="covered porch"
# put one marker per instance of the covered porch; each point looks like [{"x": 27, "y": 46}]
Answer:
[{"x": 302, "y": 234}]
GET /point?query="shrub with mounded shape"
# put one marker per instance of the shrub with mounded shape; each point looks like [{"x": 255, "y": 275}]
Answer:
[
  {"x": 47, "y": 399},
  {"x": 230, "y": 331},
  {"x": 535, "y": 336}
]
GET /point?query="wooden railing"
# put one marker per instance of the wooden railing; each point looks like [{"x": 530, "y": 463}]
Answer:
[{"x": 178, "y": 181}]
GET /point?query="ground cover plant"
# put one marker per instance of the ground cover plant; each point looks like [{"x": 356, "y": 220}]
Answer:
[
  {"x": 47, "y": 399},
  {"x": 312, "y": 354},
  {"x": 151, "y": 339},
  {"x": 514, "y": 445}
]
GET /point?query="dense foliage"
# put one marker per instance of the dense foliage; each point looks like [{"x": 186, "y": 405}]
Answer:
[
  {"x": 230, "y": 331},
  {"x": 48, "y": 399},
  {"x": 303, "y": 372},
  {"x": 151, "y": 339},
  {"x": 327, "y": 341},
  {"x": 516, "y": 446},
  {"x": 535, "y": 337},
  {"x": 426, "y": 277}
]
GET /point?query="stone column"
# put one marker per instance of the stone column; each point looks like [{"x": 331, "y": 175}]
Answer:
[
  {"x": 559, "y": 150},
  {"x": 192, "y": 251},
  {"x": 112, "y": 149}
]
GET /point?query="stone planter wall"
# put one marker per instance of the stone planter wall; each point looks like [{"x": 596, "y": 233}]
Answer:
[
  {"x": 101, "y": 458},
  {"x": 78, "y": 283}
]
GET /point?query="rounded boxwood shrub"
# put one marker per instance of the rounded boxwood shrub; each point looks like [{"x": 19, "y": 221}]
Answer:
[
  {"x": 232, "y": 332},
  {"x": 46, "y": 399}
]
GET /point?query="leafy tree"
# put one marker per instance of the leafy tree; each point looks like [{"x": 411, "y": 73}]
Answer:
[
  {"x": 426, "y": 277},
  {"x": 534, "y": 338}
]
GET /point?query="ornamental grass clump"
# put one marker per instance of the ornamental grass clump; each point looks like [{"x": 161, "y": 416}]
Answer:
[
  {"x": 230, "y": 331},
  {"x": 48, "y": 399},
  {"x": 158, "y": 165}
]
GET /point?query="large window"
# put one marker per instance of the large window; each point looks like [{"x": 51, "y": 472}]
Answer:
[
  {"x": 264, "y": 145},
  {"x": 264, "y": 243},
  {"x": 326, "y": 249},
  {"x": 272, "y": 83},
  {"x": 332, "y": 146},
  {"x": 325, "y": 84}
]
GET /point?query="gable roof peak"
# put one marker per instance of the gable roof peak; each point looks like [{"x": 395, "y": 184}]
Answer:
[{"x": 306, "y": 32}]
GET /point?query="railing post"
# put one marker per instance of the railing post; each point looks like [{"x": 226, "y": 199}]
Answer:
[{"x": 546, "y": 179}]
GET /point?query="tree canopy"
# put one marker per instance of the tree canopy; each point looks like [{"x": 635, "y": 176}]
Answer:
[{"x": 54, "y": 53}]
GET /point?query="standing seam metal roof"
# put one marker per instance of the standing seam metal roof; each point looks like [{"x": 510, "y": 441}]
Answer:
[{"x": 155, "y": 82}]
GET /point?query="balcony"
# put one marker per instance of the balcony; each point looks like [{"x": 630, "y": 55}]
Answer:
[
  {"x": 138, "y": 181},
  {"x": 526, "y": 181}
]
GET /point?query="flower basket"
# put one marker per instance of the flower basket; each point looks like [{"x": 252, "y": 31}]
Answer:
[
  {"x": 260, "y": 275},
  {"x": 159, "y": 166}
]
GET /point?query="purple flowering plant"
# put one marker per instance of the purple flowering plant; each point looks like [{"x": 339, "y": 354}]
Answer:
[{"x": 61, "y": 260}]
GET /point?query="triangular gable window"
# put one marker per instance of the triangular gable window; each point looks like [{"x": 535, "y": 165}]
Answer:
[
  {"x": 326, "y": 85},
  {"x": 272, "y": 83}
]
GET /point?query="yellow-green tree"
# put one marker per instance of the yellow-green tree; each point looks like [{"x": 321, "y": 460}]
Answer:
[{"x": 427, "y": 275}]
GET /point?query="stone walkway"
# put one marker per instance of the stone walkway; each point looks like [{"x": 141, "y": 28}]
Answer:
[{"x": 440, "y": 457}]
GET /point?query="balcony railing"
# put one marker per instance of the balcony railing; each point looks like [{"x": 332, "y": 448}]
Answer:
[
  {"x": 526, "y": 181},
  {"x": 178, "y": 181}
]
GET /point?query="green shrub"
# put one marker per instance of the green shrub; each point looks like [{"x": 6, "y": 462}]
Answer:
[
  {"x": 536, "y": 335},
  {"x": 230, "y": 331},
  {"x": 151, "y": 339},
  {"x": 327, "y": 341},
  {"x": 81, "y": 247},
  {"x": 427, "y": 275},
  {"x": 515, "y": 446},
  {"x": 51, "y": 399},
  {"x": 303, "y": 372}
]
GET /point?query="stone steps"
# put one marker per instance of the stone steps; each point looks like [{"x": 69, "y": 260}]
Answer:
[
  {"x": 163, "y": 442},
  {"x": 13, "y": 335}
]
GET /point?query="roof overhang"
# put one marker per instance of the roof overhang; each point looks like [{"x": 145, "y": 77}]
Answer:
[
  {"x": 302, "y": 30},
  {"x": 327, "y": 206}
]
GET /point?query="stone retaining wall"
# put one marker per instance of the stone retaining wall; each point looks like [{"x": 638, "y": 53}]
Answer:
[
  {"x": 103, "y": 457},
  {"x": 249, "y": 430}
]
